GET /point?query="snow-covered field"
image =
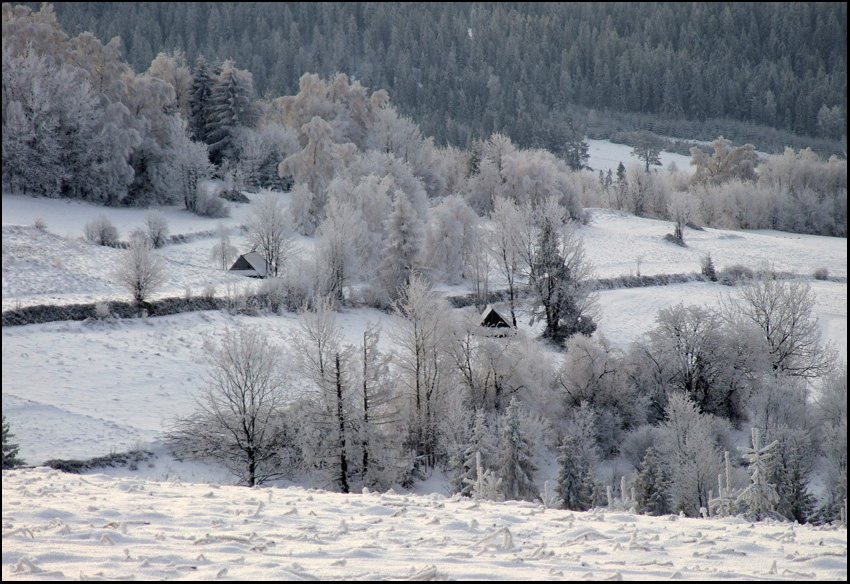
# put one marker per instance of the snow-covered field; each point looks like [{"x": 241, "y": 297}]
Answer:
[
  {"x": 85, "y": 389},
  {"x": 58, "y": 526}
]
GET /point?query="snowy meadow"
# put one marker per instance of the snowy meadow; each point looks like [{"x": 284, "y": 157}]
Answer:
[{"x": 78, "y": 390}]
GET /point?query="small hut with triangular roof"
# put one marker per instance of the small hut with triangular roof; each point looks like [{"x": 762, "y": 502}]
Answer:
[
  {"x": 250, "y": 264},
  {"x": 492, "y": 319}
]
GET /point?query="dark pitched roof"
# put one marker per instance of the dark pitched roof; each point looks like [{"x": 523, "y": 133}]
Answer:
[
  {"x": 491, "y": 318},
  {"x": 250, "y": 264}
]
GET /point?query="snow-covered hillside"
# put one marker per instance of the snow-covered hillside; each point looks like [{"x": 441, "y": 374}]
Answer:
[
  {"x": 84, "y": 389},
  {"x": 58, "y": 526}
]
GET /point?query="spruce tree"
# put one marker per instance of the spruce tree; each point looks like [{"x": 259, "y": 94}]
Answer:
[
  {"x": 401, "y": 247},
  {"x": 10, "y": 449},
  {"x": 515, "y": 466},
  {"x": 651, "y": 484},
  {"x": 199, "y": 100},
  {"x": 577, "y": 486},
  {"x": 231, "y": 107},
  {"x": 466, "y": 470},
  {"x": 760, "y": 497}
]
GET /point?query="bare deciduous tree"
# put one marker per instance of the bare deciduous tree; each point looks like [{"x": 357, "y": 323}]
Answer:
[
  {"x": 270, "y": 232},
  {"x": 237, "y": 421},
  {"x": 157, "y": 227},
  {"x": 141, "y": 271},
  {"x": 783, "y": 311}
]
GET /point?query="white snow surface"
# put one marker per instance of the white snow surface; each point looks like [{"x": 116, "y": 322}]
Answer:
[
  {"x": 58, "y": 526},
  {"x": 85, "y": 389}
]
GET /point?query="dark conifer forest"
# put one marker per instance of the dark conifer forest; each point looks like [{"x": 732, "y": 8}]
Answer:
[{"x": 770, "y": 73}]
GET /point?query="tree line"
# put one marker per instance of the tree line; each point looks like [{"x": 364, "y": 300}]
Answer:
[
  {"x": 467, "y": 70},
  {"x": 491, "y": 409}
]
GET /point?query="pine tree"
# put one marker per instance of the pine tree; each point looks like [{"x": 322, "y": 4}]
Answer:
[
  {"x": 466, "y": 470},
  {"x": 231, "y": 107},
  {"x": 726, "y": 502},
  {"x": 10, "y": 449},
  {"x": 577, "y": 486},
  {"x": 199, "y": 100},
  {"x": 760, "y": 497},
  {"x": 515, "y": 465},
  {"x": 651, "y": 485},
  {"x": 401, "y": 247}
]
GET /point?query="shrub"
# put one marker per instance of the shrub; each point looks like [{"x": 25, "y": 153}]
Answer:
[
  {"x": 157, "y": 228},
  {"x": 10, "y": 450},
  {"x": 208, "y": 205},
  {"x": 101, "y": 231},
  {"x": 821, "y": 274},
  {"x": 707, "y": 268},
  {"x": 40, "y": 224},
  {"x": 734, "y": 274}
]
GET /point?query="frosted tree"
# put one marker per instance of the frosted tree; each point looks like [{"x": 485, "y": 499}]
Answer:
[
  {"x": 794, "y": 461},
  {"x": 486, "y": 485},
  {"x": 238, "y": 420},
  {"x": 696, "y": 353},
  {"x": 474, "y": 457},
  {"x": 579, "y": 455},
  {"x": 172, "y": 68},
  {"x": 509, "y": 239},
  {"x": 559, "y": 274},
  {"x": 691, "y": 455},
  {"x": 421, "y": 337},
  {"x": 260, "y": 152},
  {"x": 270, "y": 232},
  {"x": 591, "y": 372},
  {"x": 726, "y": 502},
  {"x": 647, "y": 149},
  {"x": 323, "y": 360},
  {"x": 10, "y": 449},
  {"x": 157, "y": 228},
  {"x": 725, "y": 163},
  {"x": 401, "y": 249},
  {"x": 681, "y": 208},
  {"x": 190, "y": 163},
  {"x": 379, "y": 411},
  {"x": 230, "y": 107},
  {"x": 651, "y": 485},
  {"x": 223, "y": 252},
  {"x": 200, "y": 93},
  {"x": 338, "y": 254},
  {"x": 101, "y": 231},
  {"x": 314, "y": 164},
  {"x": 760, "y": 498},
  {"x": 783, "y": 313},
  {"x": 831, "y": 408},
  {"x": 514, "y": 462},
  {"x": 140, "y": 271},
  {"x": 450, "y": 237}
]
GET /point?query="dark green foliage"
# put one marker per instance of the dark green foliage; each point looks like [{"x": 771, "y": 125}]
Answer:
[
  {"x": 576, "y": 485},
  {"x": 129, "y": 459},
  {"x": 466, "y": 70},
  {"x": 707, "y": 268},
  {"x": 650, "y": 485},
  {"x": 10, "y": 449}
]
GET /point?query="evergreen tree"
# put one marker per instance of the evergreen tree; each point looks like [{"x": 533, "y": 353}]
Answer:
[
  {"x": 760, "y": 497},
  {"x": 515, "y": 466},
  {"x": 199, "y": 100},
  {"x": 231, "y": 107},
  {"x": 577, "y": 487},
  {"x": 558, "y": 277},
  {"x": 477, "y": 451},
  {"x": 10, "y": 449},
  {"x": 651, "y": 485},
  {"x": 401, "y": 247}
]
